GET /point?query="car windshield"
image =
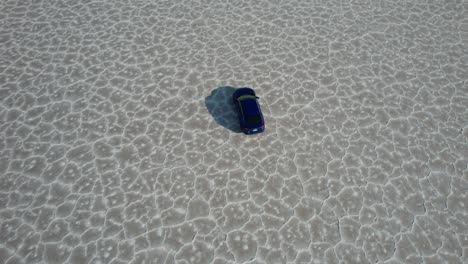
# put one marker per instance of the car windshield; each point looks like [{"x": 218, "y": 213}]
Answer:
[{"x": 253, "y": 119}]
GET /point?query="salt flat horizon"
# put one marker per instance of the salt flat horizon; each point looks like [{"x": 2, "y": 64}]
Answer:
[{"x": 119, "y": 142}]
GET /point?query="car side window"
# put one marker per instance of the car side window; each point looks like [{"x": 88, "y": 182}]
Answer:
[{"x": 240, "y": 107}]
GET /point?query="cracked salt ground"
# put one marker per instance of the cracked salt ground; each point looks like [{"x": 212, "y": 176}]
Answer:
[{"x": 118, "y": 145}]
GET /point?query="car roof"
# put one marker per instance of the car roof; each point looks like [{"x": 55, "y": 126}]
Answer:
[{"x": 249, "y": 105}]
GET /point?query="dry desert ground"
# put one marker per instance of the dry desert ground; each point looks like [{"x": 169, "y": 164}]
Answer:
[{"x": 119, "y": 142}]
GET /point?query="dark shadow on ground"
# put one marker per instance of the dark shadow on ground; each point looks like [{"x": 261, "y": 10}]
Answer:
[{"x": 220, "y": 105}]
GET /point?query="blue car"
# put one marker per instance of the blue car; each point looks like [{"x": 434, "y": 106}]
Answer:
[{"x": 250, "y": 115}]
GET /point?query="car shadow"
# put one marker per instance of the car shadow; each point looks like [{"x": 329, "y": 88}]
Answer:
[{"x": 220, "y": 105}]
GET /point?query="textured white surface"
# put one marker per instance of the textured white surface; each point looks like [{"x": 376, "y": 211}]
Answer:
[{"x": 110, "y": 153}]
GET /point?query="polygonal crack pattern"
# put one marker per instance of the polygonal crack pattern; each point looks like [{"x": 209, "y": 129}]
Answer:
[{"x": 119, "y": 140}]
